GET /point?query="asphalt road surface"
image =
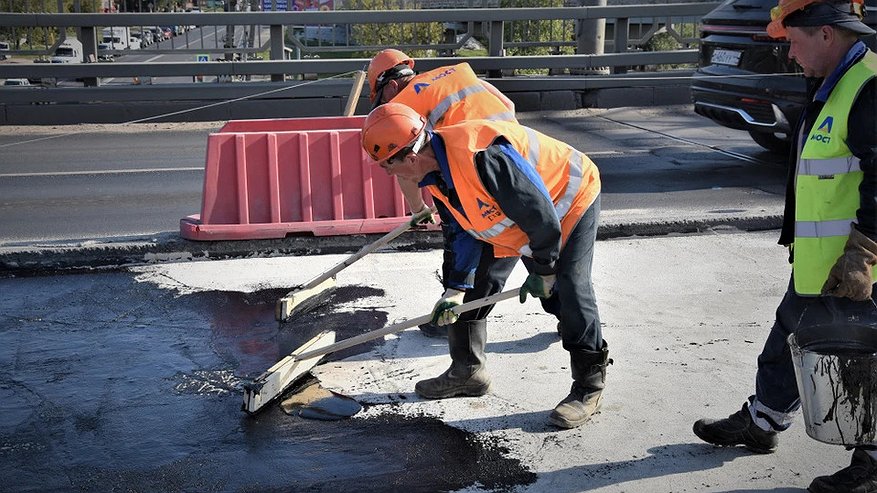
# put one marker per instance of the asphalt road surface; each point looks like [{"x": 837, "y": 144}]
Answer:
[{"x": 104, "y": 181}]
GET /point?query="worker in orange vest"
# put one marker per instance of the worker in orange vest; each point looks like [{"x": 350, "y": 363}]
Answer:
[
  {"x": 522, "y": 193},
  {"x": 444, "y": 96}
]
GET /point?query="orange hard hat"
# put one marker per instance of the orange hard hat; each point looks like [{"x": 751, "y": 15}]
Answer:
[
  {"x": 381, "y": 63},
  {"x": 846, "y": 14},
  {"x": 390, "y": 128}
]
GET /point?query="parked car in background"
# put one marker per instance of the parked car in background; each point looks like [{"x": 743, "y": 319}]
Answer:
[
  {"x": 68, "y": 51},
  {"x": 144, "y": 36},
  {"x": 16, "y": 82},
  {"x": 102, "y": 55},
  {"x": 4, "y": 50},
  {"x": 156, "y": 32},
  {"x": 118, "y": 38},
  {"x": 745, "y": 79}
]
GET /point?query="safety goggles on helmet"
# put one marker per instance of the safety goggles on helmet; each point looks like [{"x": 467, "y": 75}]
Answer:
[
  {"x": 385, "y": 77},
  {"x": 382, "y": 62}
]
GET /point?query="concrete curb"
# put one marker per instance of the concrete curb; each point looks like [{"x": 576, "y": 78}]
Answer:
[{"x": 114, "y": 253}]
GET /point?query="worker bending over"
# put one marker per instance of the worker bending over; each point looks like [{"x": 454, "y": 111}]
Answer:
[
  {"x": 444, "y": 96},
  {"x": 523, "y": 193}
]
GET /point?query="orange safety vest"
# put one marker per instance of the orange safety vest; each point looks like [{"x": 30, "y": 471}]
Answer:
[
  {"x": 450, "y": 95},
  {"x": 571, "y": 178}
]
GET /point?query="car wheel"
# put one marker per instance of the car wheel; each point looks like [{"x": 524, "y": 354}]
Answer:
[{"x": 777, "y": 143}]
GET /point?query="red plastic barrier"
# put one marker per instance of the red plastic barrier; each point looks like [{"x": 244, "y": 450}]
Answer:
[{"x": 271, "y": 178}]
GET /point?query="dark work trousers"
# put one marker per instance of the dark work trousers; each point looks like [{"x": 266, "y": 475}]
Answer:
[
  {"x": 775, "y": 385},
  {"x": 573, "y": 301},
  {"x": 490, "y": 277}
]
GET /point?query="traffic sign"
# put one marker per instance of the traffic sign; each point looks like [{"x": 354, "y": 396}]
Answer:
[{"x": 202, "y": 58}]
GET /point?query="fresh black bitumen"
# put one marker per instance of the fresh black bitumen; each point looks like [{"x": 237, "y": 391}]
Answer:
[{"x": 110, "y": 384}]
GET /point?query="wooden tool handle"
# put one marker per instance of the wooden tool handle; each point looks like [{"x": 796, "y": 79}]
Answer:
[
  {"x": 382, "y": 241},
  {"x": 367, "y": 249},
  {"x": 354, "y": 93},
  {"x": 398, "y": 327}
]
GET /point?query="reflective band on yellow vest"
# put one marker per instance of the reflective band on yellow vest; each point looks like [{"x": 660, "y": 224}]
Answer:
[
  {"x": 827, "y": 184},
  {"x": 440, "y": 95},
  {"x": 571, "y": 179}
]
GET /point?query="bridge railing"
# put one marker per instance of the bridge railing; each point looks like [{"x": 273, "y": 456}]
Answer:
[{"x": 493, "y": 23}]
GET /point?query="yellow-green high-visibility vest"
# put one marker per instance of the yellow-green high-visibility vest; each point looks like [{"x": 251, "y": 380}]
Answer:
[{"x": 827, "y": 184}]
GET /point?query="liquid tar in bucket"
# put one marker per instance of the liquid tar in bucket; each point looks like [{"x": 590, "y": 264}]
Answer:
[{"x": 836, "y": 371}]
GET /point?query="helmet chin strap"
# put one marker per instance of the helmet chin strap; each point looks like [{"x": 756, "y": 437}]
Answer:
[{"x": 418, "y": 143}]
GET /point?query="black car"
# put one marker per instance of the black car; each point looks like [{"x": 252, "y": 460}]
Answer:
[{"x": 745, "y": 79}]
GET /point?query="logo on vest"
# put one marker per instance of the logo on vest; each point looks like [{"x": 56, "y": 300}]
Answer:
[
  {"x": 445, "y": 73},
  {"x": 419, "y": 87},
  {"x": 823, "y": 133},
  {"x": 488, "y": 211}
]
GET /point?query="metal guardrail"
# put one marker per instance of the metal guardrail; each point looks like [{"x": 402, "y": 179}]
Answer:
[
  {"x": 319, "y": 85},
  {"x": 319, "y": 17},
  {"x": 278, "y": 67},
  {"x": 313, "y": 66}
]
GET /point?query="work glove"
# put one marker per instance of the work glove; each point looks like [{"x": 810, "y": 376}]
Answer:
[
  {"x": 422, "y": 216},
  {"x": 537, "y": 286},
  {"x": 442, "y": 313},
  {"x": 851, "y": 275}
]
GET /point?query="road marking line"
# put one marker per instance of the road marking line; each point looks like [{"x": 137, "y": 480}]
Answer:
[
  {"x": 621, "y": 153},
  {"x": 103, "y": 172},
  {"x": 732, "y": 154}
]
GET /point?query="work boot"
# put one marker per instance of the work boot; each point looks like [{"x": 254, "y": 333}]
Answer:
[
  {"x": 859, "y": 477},
  {"x": 467, "y": 375},
  {"x": 429, "y": 329},
  {"x": 737, "y": 429},
  {"x": 589, "y": 378}
]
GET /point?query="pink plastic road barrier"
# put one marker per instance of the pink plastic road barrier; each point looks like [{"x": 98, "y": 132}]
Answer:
[{"x": 272, "y": 178}]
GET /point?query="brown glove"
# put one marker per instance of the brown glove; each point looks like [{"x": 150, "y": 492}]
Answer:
[{"x": 851, "y": 275}]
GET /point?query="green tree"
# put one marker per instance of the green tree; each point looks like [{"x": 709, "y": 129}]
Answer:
[
  {"x": 35, "y": 38},
  {"x": 547, "y": 33},
  {"x": 394, "y": 35}
]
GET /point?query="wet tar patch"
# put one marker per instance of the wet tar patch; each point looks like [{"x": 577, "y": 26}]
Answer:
[{"x": 109, "y": 384}]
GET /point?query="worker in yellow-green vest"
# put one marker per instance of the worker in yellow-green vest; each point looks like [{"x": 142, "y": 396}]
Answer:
[
  {"x": 830, "y": 222},
  {"x": 524, "y": 194},
  {"x": 445, "y": 96}
]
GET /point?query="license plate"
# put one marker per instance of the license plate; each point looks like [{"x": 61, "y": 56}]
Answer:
[{"x": 726, "y": 57}]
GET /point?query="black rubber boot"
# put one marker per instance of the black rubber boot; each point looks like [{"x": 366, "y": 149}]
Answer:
[
  {"x": 859, "y": 477},
  {"x": 430, "y": 330},
  {"x": 589, "y": 379},
  {"x": 467, "y": 375},
  {"x": 737, "y": 429}
]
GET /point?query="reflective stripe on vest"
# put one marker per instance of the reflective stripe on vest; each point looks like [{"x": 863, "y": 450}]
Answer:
[
  {"x": 561, "y": 207},
  {"x": 439, "y": 95},
  {"x": 827, "y": 184},
  {"x": 436, "y": 115},
  {"x": 828, "y": 167},
  {"x": 821, "y": 229},
  {"x": 463, "y": 141}
]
